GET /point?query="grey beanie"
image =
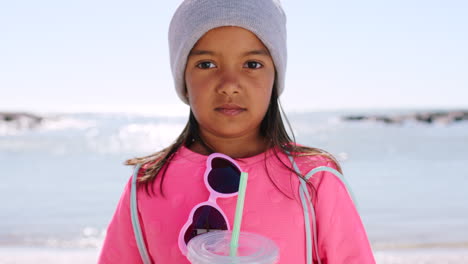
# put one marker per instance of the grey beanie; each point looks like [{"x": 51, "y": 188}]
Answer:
[{"x": 193, "y": 18}]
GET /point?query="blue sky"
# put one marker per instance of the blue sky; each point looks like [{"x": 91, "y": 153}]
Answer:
[{"x": 113, "y": 55}]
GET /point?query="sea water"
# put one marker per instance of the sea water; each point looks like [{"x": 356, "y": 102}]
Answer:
[{"x": 61, "y": 181}]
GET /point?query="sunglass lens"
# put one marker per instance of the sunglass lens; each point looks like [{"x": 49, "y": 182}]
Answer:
[
  {"x": 224, "y": 176},
  {"x": 205, "y": 219}
]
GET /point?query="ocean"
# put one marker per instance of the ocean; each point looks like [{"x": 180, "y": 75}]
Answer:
[{"x": 61, "y": 180}]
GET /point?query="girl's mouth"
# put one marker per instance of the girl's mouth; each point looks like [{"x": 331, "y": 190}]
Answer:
[{"x": 230, "y": 109}]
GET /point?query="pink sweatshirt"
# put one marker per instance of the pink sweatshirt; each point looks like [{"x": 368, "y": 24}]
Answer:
[{"x": 342, "y": 238}]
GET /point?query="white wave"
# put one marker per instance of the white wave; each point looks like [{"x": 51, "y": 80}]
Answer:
[
  {"x": 90, "y": 237},
  {"x": 8, "y": 130},
  {"x": 55, "y": 124},
  {"x": 135, "y": 138},
  {"x": 23, "y": 125}
]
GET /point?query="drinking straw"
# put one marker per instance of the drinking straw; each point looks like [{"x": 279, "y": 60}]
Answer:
[{"x": 238, "y": 215}]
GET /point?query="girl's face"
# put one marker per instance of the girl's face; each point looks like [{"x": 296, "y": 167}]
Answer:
[{"x": 229, "y": 79}]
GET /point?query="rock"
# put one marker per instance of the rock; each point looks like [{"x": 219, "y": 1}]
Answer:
[
  {"x": 440, "y": 117},
  {"x": 20, "y": 120}
]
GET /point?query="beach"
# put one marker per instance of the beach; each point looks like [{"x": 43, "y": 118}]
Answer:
[
  {"x": 87, "y": 256},
  {"x": 47, "y": 255},
  {"x": 423, "y": 256}
]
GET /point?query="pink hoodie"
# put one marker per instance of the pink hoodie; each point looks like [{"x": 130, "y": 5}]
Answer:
[{"x": 268, "y": 211}]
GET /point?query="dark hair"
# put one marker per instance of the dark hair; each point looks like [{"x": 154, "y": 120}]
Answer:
[{"x": 271, "y": 128}]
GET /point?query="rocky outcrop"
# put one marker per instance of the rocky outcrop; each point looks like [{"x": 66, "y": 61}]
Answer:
[
  {"x": 20, "y": 120},
  {"x": 441, "y": 117}
]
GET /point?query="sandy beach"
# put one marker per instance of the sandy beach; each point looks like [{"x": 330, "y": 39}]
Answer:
[
  {"x": 87, "y": 256},
  {"x": 422, "y": 256},
  {"x": 47, "y": 255}
]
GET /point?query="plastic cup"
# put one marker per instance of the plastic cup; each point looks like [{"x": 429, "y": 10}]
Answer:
[{"x": 214, "y": 248}]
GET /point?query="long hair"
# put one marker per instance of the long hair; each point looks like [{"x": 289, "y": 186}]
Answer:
[{"x": 272, "y": 128}]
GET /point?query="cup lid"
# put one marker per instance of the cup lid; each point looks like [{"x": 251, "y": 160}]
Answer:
[{"x": 214, "y": 248}]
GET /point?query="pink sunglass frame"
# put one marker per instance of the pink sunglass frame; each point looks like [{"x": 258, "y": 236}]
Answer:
[{"x": 211, "y": 200}]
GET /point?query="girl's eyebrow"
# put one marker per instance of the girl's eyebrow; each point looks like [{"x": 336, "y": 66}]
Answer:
[
  {"x": 262, "y": 52},
  {"x": 201, "y": 52}
]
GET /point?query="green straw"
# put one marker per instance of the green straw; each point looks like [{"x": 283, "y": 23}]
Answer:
[{"x": 238, "y": 216}]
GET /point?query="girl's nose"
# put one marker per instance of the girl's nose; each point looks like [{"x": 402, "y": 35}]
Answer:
[{"x": 229, "y": 83}]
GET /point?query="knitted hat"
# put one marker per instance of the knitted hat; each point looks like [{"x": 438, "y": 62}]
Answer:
[{"x": 193, "y": 18}]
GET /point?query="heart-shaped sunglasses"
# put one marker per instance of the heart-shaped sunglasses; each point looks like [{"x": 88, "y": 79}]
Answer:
[{"x": 222, "y": 178}]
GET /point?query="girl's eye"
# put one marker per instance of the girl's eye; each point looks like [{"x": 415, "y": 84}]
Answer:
[
  {"x": 205, "y": 65},
  {"x": 254, "y": 65}
]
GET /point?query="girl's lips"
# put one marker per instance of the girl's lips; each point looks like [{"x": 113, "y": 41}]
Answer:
[{"x": 230, "y": 110}]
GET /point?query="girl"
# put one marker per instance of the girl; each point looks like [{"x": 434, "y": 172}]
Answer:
[{"x": 228, "y": 59}]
